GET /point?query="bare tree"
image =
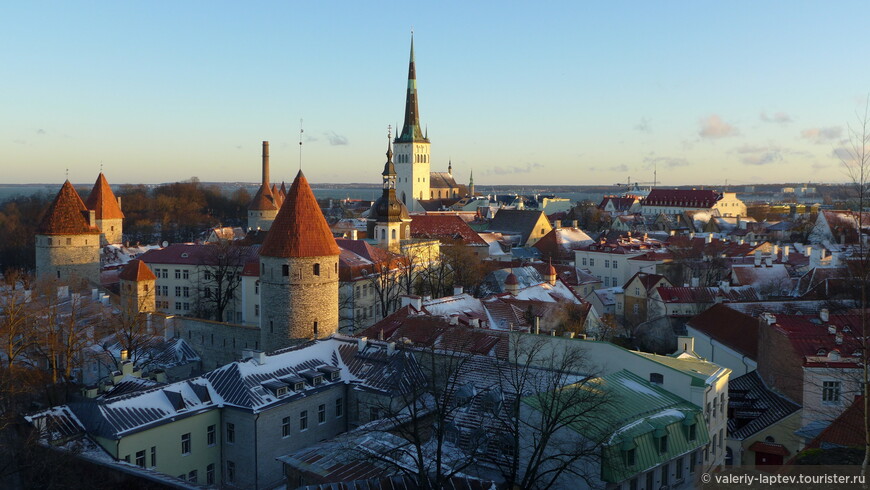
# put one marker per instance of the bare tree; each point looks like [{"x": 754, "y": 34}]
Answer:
[
  {"x": 856, "y": 160},
  {"x": 556, "y": 383},
  {"x": 220, "y": 275}
]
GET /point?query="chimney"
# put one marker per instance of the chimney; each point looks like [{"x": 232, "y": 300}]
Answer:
[
  {"x": 124, "y": 355},
  {"x": 266, "y": 163},
  {"x": 574, "y": 224},
  {"x": 832, "y": 329},
  {"x": 769, "y": 318},
  {"x": 696, "y": 281},
  {"x": 95, "y": 294},
  {"x": 354, "y": 235},
  {"x": 686, "y": 344},
  {"x": 775, "y": 251},
  {"x": 785, "y": 251},
  {"x": 725, "y": 286},
  {"x": 835, "y": 259},
  {"x": 126, "y": 368},
  {"x": 119, "y": 201},
  {"x": 414, "y": 301},
  {"x": 824, "y": 315},
  {"x": 537, "y": 325},
  {"x": 557, "y": 223},
  {"x": 757, "y": 258},
  {"x": 247, "y": 353},
  {"x": 28, "y": 294},
  {"x": 708, "y": 238},
  {"x": 569, "y": 335},
  {"x": 838, "y": 339},
  {"x": 361, "y": 343},
  {"x": 808, "y": 250},
  {"x": 259, "y": 357},
  {"x": 768, "y": 261},
  {"x": 457, "y": 290},
  {"x": 391, "y": 348}
]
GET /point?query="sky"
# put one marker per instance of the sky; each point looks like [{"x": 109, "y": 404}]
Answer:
[{"x": 522, "y": 93}]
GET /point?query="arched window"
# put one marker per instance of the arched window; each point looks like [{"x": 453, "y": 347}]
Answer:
[
  {"x": 315, "y": 330},
  {"x": 316, "y": 269},
  {"x": 383, "y": 234},
  {"x": 285, "y": 270},
  {"x": 394, "y": 233}
]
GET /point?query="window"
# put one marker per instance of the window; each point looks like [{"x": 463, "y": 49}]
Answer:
[
  {"x": 191, "y": 477},
  {"x": 713, "y": 446},
  {"x": 231, "y": 471},
  {"x": 713, "y": 413},
  {"x": 656, "y": 378},
  {"x": 629, "y": 457},
  {"x": 303, "y": 420},
  {"x": 285, "y": 427},
  {"x": 153, "y": 456},
  {"x": 207, "y": 275},
  {"x": 831, "y": 392},
  {"x": 186, "y": 274},
  {"x": 632, "y": 485},
  {"x": 721, "y": 403},
  {"x": 315, "y": 330},
  {"x": 316, "y": 269},
  {"x": 666, "y": 469},
  {"x": 140, "y": 458},
  {"x": 210, "y": 435},
  {"x": 185, "y": 306},
  {"x": 693, "y": 461},
  {"x": 257, "y": 287},
  {"x": 339, "y": 407},
  {"x": 256, "y": 310},
  {"x": 584, "y": 260},
  {"x": 650, "y": 480},
  {"x": 591, "y": 262},
  {"x": 606, "y": 264},
  {"x": 693, "y": 432},
  {"x": 177, "y": 291},
  {"x": 69, "y": 241},
  {"x": 209, "y": 474},
  {"x": 679, "y": 469},
  {"x": 373, "y": 413},
  {"x": 231, "y": 432},
  {"x": 285, "y": 270},
  {"x": 614, "y": 264},
  {"x": 663, "y": 444},
  {"x": 321, "y": 414},
  {"x": 178, "y": 273},
  {"x": 606, "y": 282},
  {"x": 186, "y": 293},
  {"x": 185, "y": 443}
]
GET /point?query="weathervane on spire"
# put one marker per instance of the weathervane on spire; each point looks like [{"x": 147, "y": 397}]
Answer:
[
  {"x": 101, "y": 166},
  {"x": 389, "y": 131}
]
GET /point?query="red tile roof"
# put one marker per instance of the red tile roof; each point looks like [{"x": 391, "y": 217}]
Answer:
[
  {"x": 67, "y": 215},
  {"x": 847, "y": 430},
  {"x": 730, "y": 327},
  {"x": 769, "y": 448},
  {"x": 682, "y": 198},
  {"x": 810, "y": 338},
  {"x": 136, "y": 270},
  {"x": 193, "y": 254},
  {"x": 706, "y": 294},
  {"x": 263, "y": 200},
  {"x": 444, "y": 227},
  {"x": 103, "y": 201},
  {"x": 299, "y": 230}
]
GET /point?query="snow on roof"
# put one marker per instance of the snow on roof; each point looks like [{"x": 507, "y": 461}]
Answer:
[{"x": 447, "y": 305}]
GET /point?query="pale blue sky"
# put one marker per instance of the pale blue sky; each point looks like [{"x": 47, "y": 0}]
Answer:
[{"x": 522, "y": 92}]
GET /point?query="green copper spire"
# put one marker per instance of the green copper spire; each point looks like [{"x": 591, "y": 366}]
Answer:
[{"x": 411, "y": 130}]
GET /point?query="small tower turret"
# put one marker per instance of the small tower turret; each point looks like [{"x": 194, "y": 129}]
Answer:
[
  {"x": 512, "y": 284},
  {"x": 137, "y": 288},
  {"x": 107, "y": 211},
  {"x": 264, "y": 206}
]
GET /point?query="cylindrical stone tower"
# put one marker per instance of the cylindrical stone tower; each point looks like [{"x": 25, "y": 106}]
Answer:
[{"x": 298, "y": 273}]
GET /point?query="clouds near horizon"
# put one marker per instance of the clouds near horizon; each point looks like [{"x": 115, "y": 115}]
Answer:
[{"x": 714, "y": 127}]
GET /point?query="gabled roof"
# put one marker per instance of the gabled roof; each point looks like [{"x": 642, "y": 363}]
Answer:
[
  {"x": 847, "y": 430},
  {"x": 136, "y": 270},
  {"x": 648, "y": 281},
  {"x": 682, "y": 198},
  {"x": 619, "y": 203},
  {"x": 441, "y": 180},
  {"x": 559, "y": 243},
  {"x": 812, "y": 339},
  {"x": 516, "y": 221},
  {"x": 706, "y": 294},
  {"x": 754, "y": 406},
  {"x": 263, "y": 200},
  {"x": 103, "y": 201},
  {"x": 67, "y": 215},
  {"x": 299, "y": 230},
  {"x": 736, "y": 330},
  {"x": 447, "y": 227}
]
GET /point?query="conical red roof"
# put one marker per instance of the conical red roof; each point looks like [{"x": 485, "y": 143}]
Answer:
[
  {"x": 67, "y": 215},
  {"x": 136, "y": 270},
  {"x": 263, "y": 200},
  {"x": 103, "y": 201},
  {"x": 299, "y": 230}
]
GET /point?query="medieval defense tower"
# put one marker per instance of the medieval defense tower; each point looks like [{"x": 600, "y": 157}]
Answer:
[
  {"x": 107, "y": 211},
  {"x": 298, "y": 273},
  {"x": 68, "y": 240},
  {"x": 137, "y": 283},
  {"x": 264, "y": 206}
]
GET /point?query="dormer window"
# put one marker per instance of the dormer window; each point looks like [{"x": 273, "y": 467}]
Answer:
[
  {"x": 282, "y": 391},
  {"x": 299, "y": 386}
]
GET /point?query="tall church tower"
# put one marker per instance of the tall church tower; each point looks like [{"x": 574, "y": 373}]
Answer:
[
  {"x": 389, "y": 222},
  {"x": 412, "y": 149},
  {"x": 298, "y": 273}
]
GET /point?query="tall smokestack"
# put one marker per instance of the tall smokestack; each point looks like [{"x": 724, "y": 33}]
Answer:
[{"x": 266, "y": 163}]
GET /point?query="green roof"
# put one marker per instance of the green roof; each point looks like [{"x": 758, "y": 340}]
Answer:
[
  {"x": 701, "y": 371},
  {"x": 636, "y": 416}
]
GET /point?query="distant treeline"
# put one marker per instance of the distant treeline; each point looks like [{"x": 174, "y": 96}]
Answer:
[{"x": 175, "y": 212}]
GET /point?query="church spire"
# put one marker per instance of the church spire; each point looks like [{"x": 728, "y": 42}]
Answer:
[{"x": 411, "y": 131}]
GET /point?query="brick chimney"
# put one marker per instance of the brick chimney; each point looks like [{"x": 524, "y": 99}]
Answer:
[{"x": 265, "y": 163}]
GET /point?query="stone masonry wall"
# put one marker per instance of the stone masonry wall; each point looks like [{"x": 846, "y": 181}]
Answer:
[
  {"x": 217, "y": 343},
  {"x": 68, "y": 257},
  {"x": 112, "y": 231},
  {"x": 261, "y": 219},
  {"x": 290, "y": 305}
]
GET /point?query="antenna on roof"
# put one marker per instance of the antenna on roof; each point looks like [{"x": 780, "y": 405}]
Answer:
[{"x": 300, "y": 143}]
